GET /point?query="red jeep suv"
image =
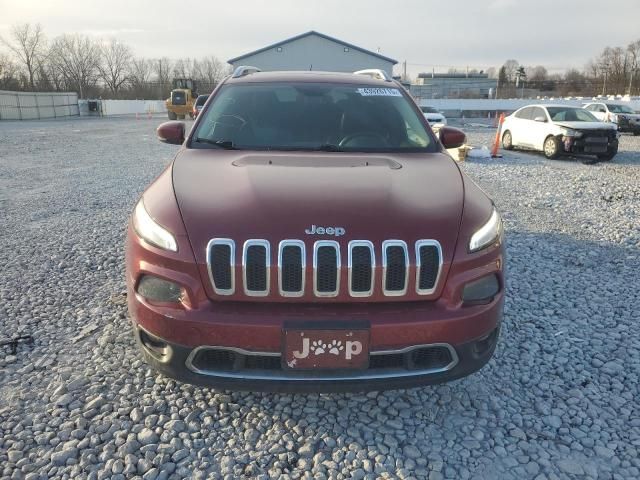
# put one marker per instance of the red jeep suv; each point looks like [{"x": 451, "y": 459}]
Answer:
[{"x": 312, "y": 234}]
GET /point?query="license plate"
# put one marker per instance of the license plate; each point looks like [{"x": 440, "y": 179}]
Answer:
[
  {"x": 595, "y": 149},
  {"x": 317, "y": 348}
]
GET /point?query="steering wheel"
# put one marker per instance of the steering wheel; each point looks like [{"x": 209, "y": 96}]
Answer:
[
  {"x": 231, "y": 125},
  {"x": 378, "y": 139}
]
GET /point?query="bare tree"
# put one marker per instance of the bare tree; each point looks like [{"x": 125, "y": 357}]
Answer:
[
  {"x": 77, "y": 58},
  {"x": 537, "y": 74},
  {"x": 510, "y": 68},
  {"x": 8, "y": 73},
  {"x": 634, "y": 64},
  {"x": 28, "y": 46},
  {"x": 183, "y": 68},
  {"x": 114, "y": 66},
  {"x": 162, "y": 69},
  {"x": 210, "y": 71},
  {"x": 139, "y": 76}
]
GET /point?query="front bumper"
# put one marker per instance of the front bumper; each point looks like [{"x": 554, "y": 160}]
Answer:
[
  {"x": 629, "y": 125},
  {"x": 177, "y": 361},
  {"x": 590, "y": 143},
  {"x": 171, "y": 335}
]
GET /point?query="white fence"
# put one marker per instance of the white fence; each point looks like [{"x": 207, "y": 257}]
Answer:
[
  {"x": 471, "y": 106},
  {"x": 35, "y": 105},
  {"x": 123, "y": 107}
]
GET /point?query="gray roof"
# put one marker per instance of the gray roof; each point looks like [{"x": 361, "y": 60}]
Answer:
[{"x": 306, "y": 34}]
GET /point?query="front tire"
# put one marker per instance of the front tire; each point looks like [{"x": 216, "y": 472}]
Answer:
[
  {"x": 172, "y": 115},
  {"x": 606, "y": 157},
  {"x": 551, "y": 148},
  {"x": 507, "y": 141}
]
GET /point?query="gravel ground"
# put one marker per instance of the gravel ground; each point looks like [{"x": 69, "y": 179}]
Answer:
[{"x": 559, "y": 399}]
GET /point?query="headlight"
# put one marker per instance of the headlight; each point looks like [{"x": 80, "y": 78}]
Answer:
[
  {"x": 149, "y": 230},
  {"x": 570, "y": 132},
  {"x": 487, "y": 234}
]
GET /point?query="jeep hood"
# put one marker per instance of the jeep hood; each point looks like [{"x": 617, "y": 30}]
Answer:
[{"x": 276, "y": 196}]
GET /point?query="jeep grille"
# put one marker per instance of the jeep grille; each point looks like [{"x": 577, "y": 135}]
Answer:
[{"x": 397, "y": 262}]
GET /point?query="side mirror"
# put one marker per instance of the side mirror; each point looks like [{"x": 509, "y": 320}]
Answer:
[
  {"x": 451, "y": 137},
  {"x": 171, "y": 132},
  {"x": 540, "y": 119}
]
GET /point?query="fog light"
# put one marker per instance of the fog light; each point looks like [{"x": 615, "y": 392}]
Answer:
[
  {"x": 154, "y": 346},
  {"x": 159, "y": 290},
  {"x": 482, "y": 290}
]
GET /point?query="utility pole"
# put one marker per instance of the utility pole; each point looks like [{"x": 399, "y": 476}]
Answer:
[{"x": 404, "y": 70}]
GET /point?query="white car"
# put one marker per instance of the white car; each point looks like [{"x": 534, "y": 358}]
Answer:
[
  {"x": 560, "y": 129},
  {"x": 434, "y": 116},
  {"x": 626, "y": 119}
]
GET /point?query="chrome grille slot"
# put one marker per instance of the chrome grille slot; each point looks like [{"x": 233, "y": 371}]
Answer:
[
  {"x": 361, "y": 268},
  {"x": 326, "y": 268},
  {"x": 291, "y": 268},
  {"x": 220, "y": 265},
  {"x": 428, "y": 266},
  {"x": 395, "y": 265},
  {"x": 255, "y": 267}
]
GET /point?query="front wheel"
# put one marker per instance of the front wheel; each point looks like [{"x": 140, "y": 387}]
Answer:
[
  {"x": 605, "y": 157},
  {"x": 172, "y": 115},
  {"x": 507, "y": 141},
  {"x": 551, "y": 148}
]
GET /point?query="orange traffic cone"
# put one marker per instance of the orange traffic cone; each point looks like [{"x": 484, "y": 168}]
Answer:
[{"x": 496, "y": 142}]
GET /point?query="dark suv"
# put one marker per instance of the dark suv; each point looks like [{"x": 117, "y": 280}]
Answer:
[{"x": 312, "y": 234}]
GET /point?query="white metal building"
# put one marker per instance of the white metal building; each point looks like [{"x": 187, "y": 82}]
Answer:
[{"x": 314, "y": 51}]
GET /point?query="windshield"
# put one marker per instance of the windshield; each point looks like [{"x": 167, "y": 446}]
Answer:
[
  {"x": 312, "y": 116},
  {"x": 570, "y": 114},
  {"x": 619, "y": 108},
  {"x": 178, "y": 97},
  {"x": 201, "y": 100},
  {"x": 429, "y": 110}
]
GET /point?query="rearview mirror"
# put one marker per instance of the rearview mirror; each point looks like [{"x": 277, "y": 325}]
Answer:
[
  {"x": 171, "y": 132},
  {"x": 451, "y": 137},
  {"x": 540, "y": 119}
]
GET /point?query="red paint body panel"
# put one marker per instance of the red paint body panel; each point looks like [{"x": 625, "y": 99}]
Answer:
[{"x": 278, "y": 201}]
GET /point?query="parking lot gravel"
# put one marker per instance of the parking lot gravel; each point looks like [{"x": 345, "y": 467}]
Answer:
[{"x": 558, "y": 400}]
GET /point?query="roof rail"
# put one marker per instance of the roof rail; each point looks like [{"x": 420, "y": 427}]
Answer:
[
  {"x": 243, "y": 70},
  {"x": 375, "y": 73}
]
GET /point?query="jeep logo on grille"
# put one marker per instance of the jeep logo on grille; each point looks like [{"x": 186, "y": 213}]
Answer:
[{"x": 316, "y": 230}]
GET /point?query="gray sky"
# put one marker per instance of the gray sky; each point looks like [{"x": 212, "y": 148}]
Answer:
[{"x": 426, "y": 33}]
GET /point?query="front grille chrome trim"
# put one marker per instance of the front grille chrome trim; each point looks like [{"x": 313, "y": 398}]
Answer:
[
  {"x": 303, "y": 253},
  {"x": 245, "y": 248},
  {"x": 301, "y": 377},
  {"x": 369, "y": 245},
  {"x": 316, "y": 246},
  {"x": 385, "y": 245},
  {"x": 419, "y": 245},
  {"x": 301, "y": 244},
  {"x": 232, "y": 264}
]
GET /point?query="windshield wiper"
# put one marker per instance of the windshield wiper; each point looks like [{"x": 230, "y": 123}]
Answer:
[{"x": 226, "y": 144}]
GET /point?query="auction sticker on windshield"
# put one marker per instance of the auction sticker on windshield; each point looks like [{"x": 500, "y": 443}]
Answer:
[{"x": 379, "y": 92}]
